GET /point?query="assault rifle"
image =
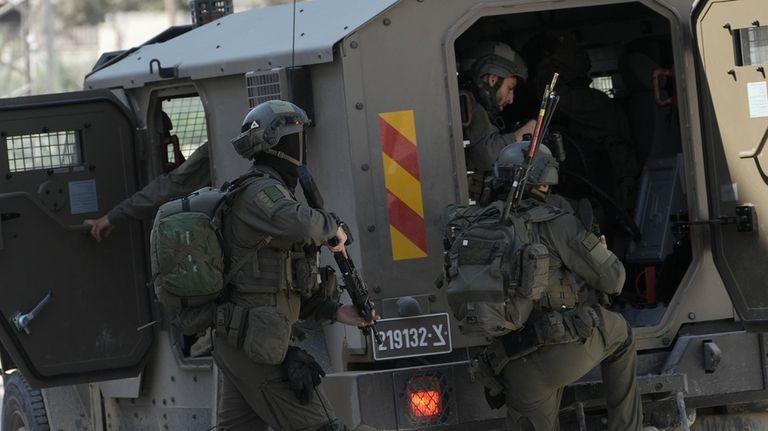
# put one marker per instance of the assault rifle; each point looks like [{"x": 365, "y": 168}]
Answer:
[
  {"x": 520, "y": 175},
  {"x": 353, "y": 283}
]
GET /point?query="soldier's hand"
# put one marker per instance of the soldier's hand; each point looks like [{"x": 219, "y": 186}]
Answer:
[
  {"x": 303, "y": 372},
  {"x": 337, "y": 244},
  {"x": 527, "y": 128},
  {"x": 603, "y": 242},
  {"x": 100, "y": 228},
  {"x": 348, "y": 315}
]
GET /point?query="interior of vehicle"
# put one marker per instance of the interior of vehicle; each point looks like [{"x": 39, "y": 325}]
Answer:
[{"x": 619, "y": 124}]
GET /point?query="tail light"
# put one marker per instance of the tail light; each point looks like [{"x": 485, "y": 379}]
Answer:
[{"x": 425, "y": 399}]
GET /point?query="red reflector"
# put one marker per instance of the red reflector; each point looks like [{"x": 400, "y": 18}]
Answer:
[{"x": 425, "y": 397}]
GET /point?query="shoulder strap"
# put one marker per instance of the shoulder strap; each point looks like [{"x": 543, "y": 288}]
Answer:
[{"x": 542, "y": 213}]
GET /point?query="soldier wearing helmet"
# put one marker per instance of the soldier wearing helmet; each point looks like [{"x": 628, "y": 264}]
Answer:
[
  {"x": 495, "y": 71},
  {"x": 272, "y": 242},
  {"x": 570, "y": 320}
]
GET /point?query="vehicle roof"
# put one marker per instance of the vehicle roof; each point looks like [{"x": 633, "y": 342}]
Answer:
[{"x": 257, "y": 39}]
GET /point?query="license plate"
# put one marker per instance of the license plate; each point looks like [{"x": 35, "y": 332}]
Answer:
[{"x": 404, "y": 337}]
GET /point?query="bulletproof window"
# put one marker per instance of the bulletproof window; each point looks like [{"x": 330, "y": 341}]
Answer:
[
  {"x": 751, "y": 46},
  {"x": 188, "y": 118},
  {"x": 44, "y": 151},
  {"x": 604, "y": 84}
]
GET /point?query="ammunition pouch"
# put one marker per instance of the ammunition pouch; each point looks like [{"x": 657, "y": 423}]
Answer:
[
  {"x": 305, "y": 272},
  {"x": 263, "y": 333},
  {"x": 582, "y": 320}
]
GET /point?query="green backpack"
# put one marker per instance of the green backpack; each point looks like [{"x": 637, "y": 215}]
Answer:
[
  {"x": 188, "y": 263},
  {"x": 495, "y": 272}
]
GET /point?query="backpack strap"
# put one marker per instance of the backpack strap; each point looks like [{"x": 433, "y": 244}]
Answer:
[{"x": 232, "y": 190}]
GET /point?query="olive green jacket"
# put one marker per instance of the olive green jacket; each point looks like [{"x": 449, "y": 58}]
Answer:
[
  {"x": 269, "y": 228},
  {"x": 485, "y": 139},
  {"x": 578, "y": 250},
  {"x": 193, "y": 174}
]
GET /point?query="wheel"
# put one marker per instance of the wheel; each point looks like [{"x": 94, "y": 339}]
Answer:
[{"x": 23, "y": 407}]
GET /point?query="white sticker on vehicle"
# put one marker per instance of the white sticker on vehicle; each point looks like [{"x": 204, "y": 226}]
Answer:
[
  {"x": 82, "y": 197},
  {"x": 757, "y": 93}
]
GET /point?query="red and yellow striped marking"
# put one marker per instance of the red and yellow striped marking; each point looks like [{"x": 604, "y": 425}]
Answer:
[{"x": 401, "y": 177}]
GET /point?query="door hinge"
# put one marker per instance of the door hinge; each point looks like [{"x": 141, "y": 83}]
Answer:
[{"x": 744, "y": 220}]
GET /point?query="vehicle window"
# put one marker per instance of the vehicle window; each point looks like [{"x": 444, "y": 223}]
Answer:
[
  {"x": 753, "y": 44},
  {"x": 188, "y": 118},
  {"x": 44, "y": 151}
]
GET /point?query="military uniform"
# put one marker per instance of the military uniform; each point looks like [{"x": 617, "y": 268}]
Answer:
[
  {"x": 486, "y": 140},
  {"x": 193, "y": 174},
  {"x": 579, "y": 268},
  {"x": 276, "y": 286}
]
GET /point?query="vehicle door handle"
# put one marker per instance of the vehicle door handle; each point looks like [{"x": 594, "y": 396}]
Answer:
[{"x": 22, "y": 320}]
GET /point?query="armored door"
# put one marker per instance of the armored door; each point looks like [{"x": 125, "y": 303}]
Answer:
[
  {"x": 732, "y": 45},
  {"x": 72, "y": 310}
]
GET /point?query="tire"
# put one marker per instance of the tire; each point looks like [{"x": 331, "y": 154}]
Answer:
[{"x": 23, "y": 407}]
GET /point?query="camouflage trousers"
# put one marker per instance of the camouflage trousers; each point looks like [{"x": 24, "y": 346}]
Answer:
[
  {"x": 534, "y": 383},
  {"x": 255, "y": 397}
]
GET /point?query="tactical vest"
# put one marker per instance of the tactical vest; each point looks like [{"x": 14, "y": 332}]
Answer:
[{"x": 266, "y": 292}]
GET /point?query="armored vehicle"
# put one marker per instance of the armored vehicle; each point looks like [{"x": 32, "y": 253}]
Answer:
[{"x": 680, "y": 89}]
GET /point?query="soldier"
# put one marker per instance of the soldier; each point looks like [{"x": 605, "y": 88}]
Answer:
[
  {"x": 495, "y": 70},
  {"x": 181, "y": 178},
  {"x": 265, "y": 380},
  {"x": 569, "y": 331}
]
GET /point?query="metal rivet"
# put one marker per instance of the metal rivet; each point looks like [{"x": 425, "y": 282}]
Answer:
[
  {"x": 691, "y": 316},
  {"x": 365, "y": 167},
  {"x": 387, "y": 21},
  {"x": 432, "y": 298},
  {"x": 87, "y": 125},
  {"x": 218, "y": 46},
  {"x": 665, "y": 341},
  {"x": 353, "y": 44},
  {"x": 377, "y": 289},
  {"x": 359, "y": 105},
  {"x": 371, "y": 228},
  {"x": 658, "y": 386},
  {"x": 302, "y": 35}
]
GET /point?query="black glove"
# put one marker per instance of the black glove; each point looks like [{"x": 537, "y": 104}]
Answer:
[
  {"x": 494, "y": 401},
  {"x": 303, "y": 372}
]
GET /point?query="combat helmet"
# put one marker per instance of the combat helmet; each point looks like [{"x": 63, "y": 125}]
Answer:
[
  {"x": 497, "y": 58},
  {"x": 544, "y": 170},
  {"x": 266, "y": 124}
]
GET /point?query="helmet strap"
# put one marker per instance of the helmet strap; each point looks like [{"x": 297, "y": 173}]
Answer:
[
  {"x": 282, "y": 155},
  {"x": 486, "y": 95}
]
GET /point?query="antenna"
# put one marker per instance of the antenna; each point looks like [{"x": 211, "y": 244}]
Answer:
[{"x": 293, "y": 40}]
